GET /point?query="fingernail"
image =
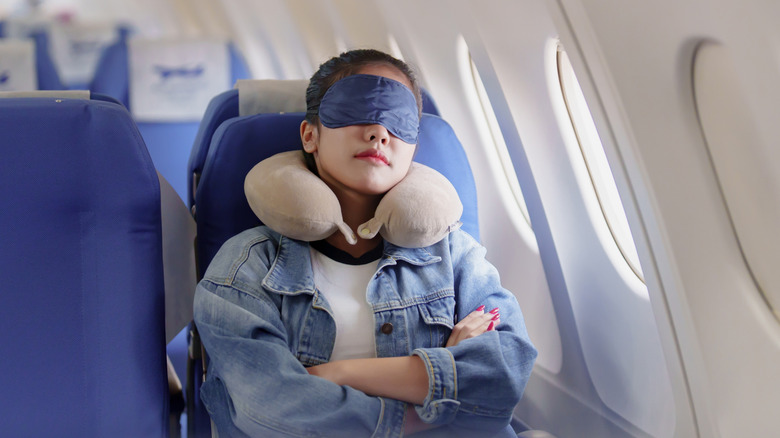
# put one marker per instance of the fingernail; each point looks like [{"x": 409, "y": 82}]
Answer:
[
  {"x": 480, "y": 308},
  {"x": 495, "y": 318},
  {"x": 494, "y": 311},
  {"x": 490, "y": 327}
]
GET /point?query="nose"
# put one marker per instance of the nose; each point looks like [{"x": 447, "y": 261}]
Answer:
[{"x": 376, "y": 134}]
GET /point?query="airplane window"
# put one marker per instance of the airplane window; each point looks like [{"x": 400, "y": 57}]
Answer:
[
  {"x": 596, "y": 163},
  {"x": 498, "y": 141}
]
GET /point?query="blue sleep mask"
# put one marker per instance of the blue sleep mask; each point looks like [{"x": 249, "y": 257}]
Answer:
[{"x": 368, "y": 100}]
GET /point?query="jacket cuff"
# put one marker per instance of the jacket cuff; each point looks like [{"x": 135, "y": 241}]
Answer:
[
  {"x": 441, "y": 404},
  {"x": 391, "y": 419}
]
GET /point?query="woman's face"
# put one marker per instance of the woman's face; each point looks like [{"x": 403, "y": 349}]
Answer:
[{"x": 362, "y": 159}]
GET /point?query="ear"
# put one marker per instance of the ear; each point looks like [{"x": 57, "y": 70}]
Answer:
[{"x": 310, "y": 136}]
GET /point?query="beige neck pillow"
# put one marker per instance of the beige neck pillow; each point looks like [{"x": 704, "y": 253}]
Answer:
[{"x": 287, "y": 197}]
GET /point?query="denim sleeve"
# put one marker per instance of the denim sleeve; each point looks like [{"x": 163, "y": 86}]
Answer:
[
  {"x": 477, "y": 383},
  {"x": 256, "y": 387}
]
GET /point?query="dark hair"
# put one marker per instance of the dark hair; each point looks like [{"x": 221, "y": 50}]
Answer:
[{"x": 346, "y": 64}]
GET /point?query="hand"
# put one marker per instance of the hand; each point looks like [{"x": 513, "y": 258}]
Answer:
[{"x": 474, "y": 324}]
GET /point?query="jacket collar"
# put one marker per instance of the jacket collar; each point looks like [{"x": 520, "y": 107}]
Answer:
[
  {"x": 414, "y": 256},
  {"x": 294, "y": 256}
]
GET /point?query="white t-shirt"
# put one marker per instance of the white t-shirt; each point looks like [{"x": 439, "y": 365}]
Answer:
[{"x": 343, "y": 280}]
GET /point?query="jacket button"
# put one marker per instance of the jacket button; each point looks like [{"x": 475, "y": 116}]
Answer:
[{"x": 387, "y": 328}]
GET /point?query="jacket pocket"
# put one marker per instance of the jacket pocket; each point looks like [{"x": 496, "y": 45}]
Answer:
[{"x": 437, "y": 315}]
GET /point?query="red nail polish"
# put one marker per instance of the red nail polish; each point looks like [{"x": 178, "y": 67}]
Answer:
[
  {"x": 480, "y": 308},
  {"x": 495, "y": 318},
  {"x": 494, "y": 311},
  {"x": 490, "y": 327}
]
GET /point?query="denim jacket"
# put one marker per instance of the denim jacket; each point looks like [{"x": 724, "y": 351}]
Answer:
[{"x": 262, "y": 321}]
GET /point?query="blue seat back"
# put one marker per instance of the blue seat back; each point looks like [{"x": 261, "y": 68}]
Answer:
[
  {"x": 112, "y": 76},
  {"x": 428, "y": 104},
  {"x": 82, "y": 306},
  {"x": 222, "y": 107},
  {"x": 48, "y": 77}
]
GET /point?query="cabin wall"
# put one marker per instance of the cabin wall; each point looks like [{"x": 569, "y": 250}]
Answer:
[{"x": 639, "y": 67}]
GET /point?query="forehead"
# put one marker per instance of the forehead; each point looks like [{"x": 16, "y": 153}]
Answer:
[{"x": 387, "y": 71}]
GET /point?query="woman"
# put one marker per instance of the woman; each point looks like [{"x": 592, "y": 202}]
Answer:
[{"x": 336, "y": 338}]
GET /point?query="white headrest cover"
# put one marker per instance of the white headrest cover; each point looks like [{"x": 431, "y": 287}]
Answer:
[
  {"x": 17, "y": 65},
  {"x": 52, "y": 94},
  {"x": 76, "y": 48},
  {"x": 173, "y": 80},
  {"x": 259, "y": 96}
]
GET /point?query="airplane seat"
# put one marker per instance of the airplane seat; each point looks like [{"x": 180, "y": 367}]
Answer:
[
  {"x": 240, "y": 143},
  {"x": 428, "y": 104},
  {"x": 223, "y": 211},
  {"x": 82, "y": 309},
  {"x": 166, "y": 85},
  {"x": 48, "y": 77},
  {"x": 257, "y": 96},
  {"x": 37, "y": 30},
  {"x": 250, "y": 96},
  {"x": 76, "y": 47},
  {"x": 221, "y": 107},
  {"x": 25, "y": 64},
  {"x": 111, "y": 74}
]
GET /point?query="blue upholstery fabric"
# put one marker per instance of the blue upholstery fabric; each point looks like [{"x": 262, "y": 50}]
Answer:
[
  {"x": 221, "y": 107},
  {"x": 238, "y": 145},
  {"x": 440, "y": 149},
  {"x": 48, "y": 77},
  {"x": 429, "y": 106},
  {"x": 112, "y": 72},
  {"x": 82, "y": 304},
  {"x": 238, "y": 67}
]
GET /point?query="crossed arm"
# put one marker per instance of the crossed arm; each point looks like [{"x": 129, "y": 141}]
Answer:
[{"x": 401, "y": 378}]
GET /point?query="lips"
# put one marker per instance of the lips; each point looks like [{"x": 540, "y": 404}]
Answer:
[{"x": 374, "y": 155}]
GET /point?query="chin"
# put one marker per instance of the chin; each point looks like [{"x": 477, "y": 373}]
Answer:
[
  {"x": 373, "y": 188},
  {"x": 373, "y": 191}
]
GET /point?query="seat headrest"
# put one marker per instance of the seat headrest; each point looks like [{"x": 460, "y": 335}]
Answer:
[
  {"x": 77, "y": 46},
  {"x": 260, "y": 96},
  {"x": 51, "y": 94},
  {"x": 172, "y": 80}
]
